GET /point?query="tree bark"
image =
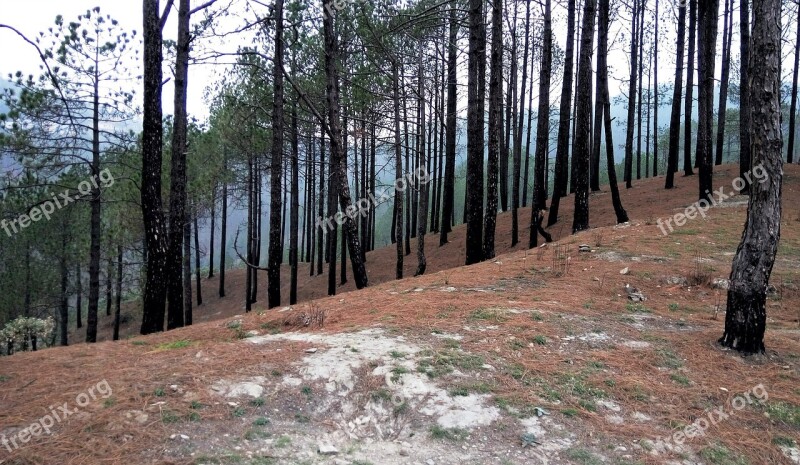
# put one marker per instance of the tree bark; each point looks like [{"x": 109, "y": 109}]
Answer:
[
  {"x": 515, "y": 184},
  {"x": 117, "y": 315},
  {"x": 687, "y": 131},
  {"x": 706, "y": 40},
  {"x": 744, "y": 93},
  {"x": 793, "y": 106},
  {"x": 542, "y": 128},
  {"x": 745, "y": 319},
  {"x": 223, "y": 232},
  {"x": 276, "y": 168},
  {"x": 177, "y": 191},
  {"x": 562, "y": 148},
  {"x": 675, "y": 116},
  {"x": 496, "y": 146},
  {"x": 583, "y": 119},
  {"x": 450, "y": 136},
  {"x": 197, "y": 285},
  {"x": 152, "y": 212},
  {"x": 475, "y": 132},
  {"x": 727, "y": 33},
  {"x": 632, "y": 97}
]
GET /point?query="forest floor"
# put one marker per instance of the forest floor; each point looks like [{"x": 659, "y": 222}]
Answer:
[{"x": 537, "y": 357}]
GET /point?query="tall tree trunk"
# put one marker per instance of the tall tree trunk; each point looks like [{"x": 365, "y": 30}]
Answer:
[
  {"x": 152, "y": 212},
  {"x": 793, "y": 106},
  {"x": 177, "y": 190},
  {"x": 597, "y": 132},
  {"x": 294, "y": 219},
  {"x": 727, "y": 33},
  {"x": 496, "y": 146},
  {"x": 511, "y": 102},
  {"x": 398, "y": 197},
  {"x": 562, "y": 149},
  {"x": 687, "y": 119},
  {"x": 63, "y": 316},
  {"x": 337, "y": 156},
  {"x": 78, "y": 296},
  {"x": 675, "y": 116},
  {"x": 422, "y": 209},
  {"x": 745, "y": 319},
  {"x": 276, "y": 168},
  {"x": 640, "y": 99},
  {"x": 475, "y": 133},
  {"x": 542, "y": 128},
  {"x": 518, "y": 143},
  {"x": 321, "y": 232},
  {"x": 186, "y": 266},
  {"x": 109, "y": 291},
  {"x": 118, "y": 309},
  {"x": 655, "y": 97},
  {"x": 525, "y": 176},
  {"x": 197, "y": 285},
  {"x": 211, "y": 239},
  {"x": 744, "y": 92},
  {"x": 223, "y": 232},
  {"x": 632, "y": 97},
  {"x": 583, "y": 119},
  {"x": 602, "y": 77},
  {"x": 706, "y": 53},
  {"x": 450, "y": 136},
  {"x": 95, "y": 219}
]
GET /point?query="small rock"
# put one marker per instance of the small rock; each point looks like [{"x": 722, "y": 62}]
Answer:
[
  {"x": 312, "y": 350},
  {"x": 584, "y": 248},
  {"x": 404, "y": 453},
  {"x": 174, "y": 387},
  {"x": 634, "y": 294},
  {"x": 430, "y": 462},
  {"x": 624, "y": 270},
  {"x": 596, "y": 279},
  {"x": 252, "y": 333},
  {"x": 677, "y": 281},
  {"x": 720, "y": 283},
  {"x": 327, "y": 449}
]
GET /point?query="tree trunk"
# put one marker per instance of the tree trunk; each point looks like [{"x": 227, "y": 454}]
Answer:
[
  {"x": 602, "y": 76},
  {"x": 745, "y": 318},
  {"x": 294, "y": 219},
  {"x": 337, "y": 156},
  {"x": 223, "y": 232},
  {"x": 518, "y": 143},
  {"x": 706, "y": 40},
  {"x": 450, "y": 136},
  {"x": 687, "y": 119},
  {"x": 186, "y": 266},
  {"x": 95, "y": 219},
  {"x": 793, "y": 106},
  {"x": 398, "y": 197},
  {"x": 211, "y": 239},
  {"x": 177, "y": 191},
  {"x": 583, "y": 119},
  {"x": 562, "y": 149},
  {"x": 640, "y": 99},
  {"x": 197, "y": 285},
  {"x": 496, "y": 146},
  {"x": 475, "y": 132},
  {"x": 727, "y": 33},
  {"x": 321, "y": 232},
  {"x": 276, "y": 168},
  {"x": 655, "y": 97},
  {"x": 542, "y": 128},
  {"x": 115, "y": 336},
  {"x": 63, "y": 316},
  {"x": 78, "y": 297},
  {"x": 744, "y": 93},
  {"x": 632, "y": 97},
  {"x": 422, "y": 209},
  {"x": 109, "y": 292},
  {"x": 675, "y": 116}
]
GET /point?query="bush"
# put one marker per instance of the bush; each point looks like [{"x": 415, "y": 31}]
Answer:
[{"x": 24, "y": 334}]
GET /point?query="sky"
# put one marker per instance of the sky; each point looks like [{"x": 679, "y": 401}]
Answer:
[{"x": 33, "y": 16}]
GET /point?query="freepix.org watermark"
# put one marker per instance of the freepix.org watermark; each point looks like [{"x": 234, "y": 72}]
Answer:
[
  {"x": 363, "y": 206},
  {"x": 57, "y": 415},
  {"x": 717, "y": 197},
  {"x": 712, "y": 417},
  {"x": 58, "y": 201}
]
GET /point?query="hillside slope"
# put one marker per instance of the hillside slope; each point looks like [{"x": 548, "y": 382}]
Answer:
[{"x": 537, "y": 357}]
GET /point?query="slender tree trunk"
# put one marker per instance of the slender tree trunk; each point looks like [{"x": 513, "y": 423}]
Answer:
[
  {"x": 337, "y": 156},
  {"x": 640, "y": 99},
  {"x": 276, "y": 168},
  {"x": 706, "y": 40},
  {"x": 197, "y": 285},
  {"x": 211, "y": 239},
  {"x": 632, "y": 97},
  {"x": 177, "y": 191},
  {"x": 562, "y": 148},
  {"x": 496, "y": 146},
  {"x": 793, "y": 106},
  {"x": 223, "y": 233},
  {"x": 727, "y": 33},
  {"x": 687, "y": 120},
  {"x": 518, "y": 143},
  {"x": 109, "y": 291},
  {"x": 78, "y": 297},
  {"x": 746, "y": 316},
  {"x": 583, "y": 118},
  {"x": 475, "y": 132},
  {"x": 398, "y": 198},
  {"x": 422, "y": 209},
  {"x": 63, "y": 316},
  {"x": 117, "y": 311},
  {"x": 744, "y": 92},
  {"x": 321, "y": 231},
  {"x": 602, "y": 76},
  {"x": 186, "y": 265},
  {"x": 450, "y": 143},
  {"x": 525, "y": 176},
  {"x": 294, "y": 219},
  {"x": 94, "y": 221},
  {"x": 675, "y": 116},
  {"x": 542, "y": 128},
  {"x": 655, "y": 97},
  {"x": 511, "y": 91}
]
